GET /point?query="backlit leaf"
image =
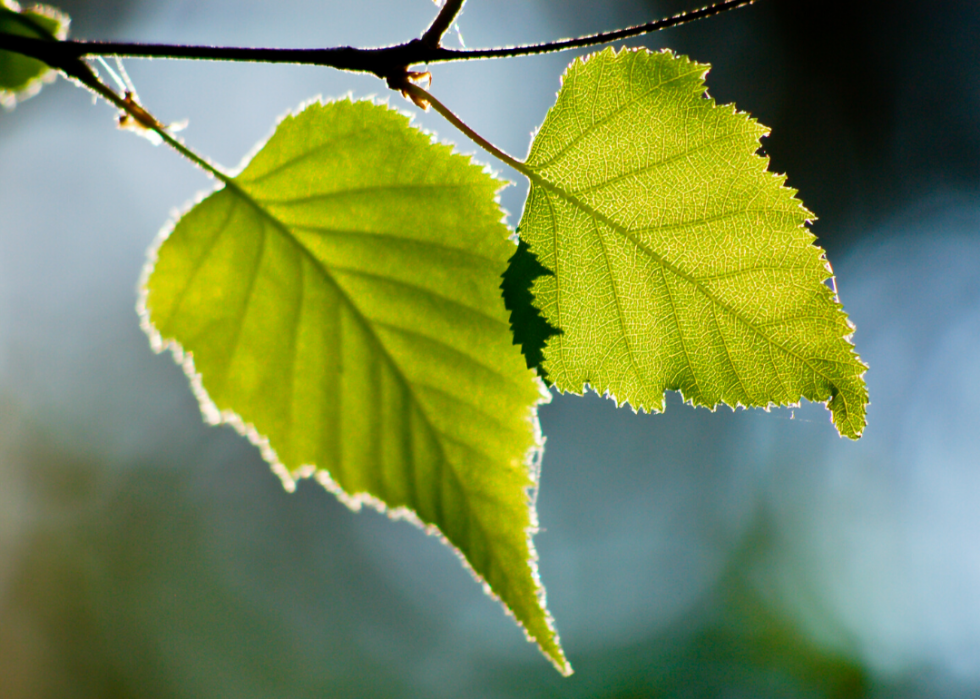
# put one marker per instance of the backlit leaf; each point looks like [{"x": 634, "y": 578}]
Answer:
[
  {"x": 338, "y": 302},
  {"x": 21, "y": 77},
  {"x": 678, "y": 261}
]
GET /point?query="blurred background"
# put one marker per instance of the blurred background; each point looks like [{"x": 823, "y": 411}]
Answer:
[{"x": 688, "y": 554}]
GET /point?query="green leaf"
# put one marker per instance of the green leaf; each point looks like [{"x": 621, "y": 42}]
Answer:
[
  {"x": 678, "y": 261},
  {"x": 21, "y": 77},
  {"x": 338, "y": 302}
]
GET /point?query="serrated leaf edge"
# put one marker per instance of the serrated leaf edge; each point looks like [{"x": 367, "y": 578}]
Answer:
[
  {"x": 809, "y": 217},
  {"x": 354, "y": 501}
]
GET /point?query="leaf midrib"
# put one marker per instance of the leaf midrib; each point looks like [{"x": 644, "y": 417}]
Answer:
[
  {"x": 385, "y": 235},
  {"x": 361, "y": 318},
  {"x": 300, "y": 157},
  {"x": 694, "y": 281},
  {"x": 436, "y": 434},
  {"x": 656, "y": 164},
  {"x": 354, "y": 191}
]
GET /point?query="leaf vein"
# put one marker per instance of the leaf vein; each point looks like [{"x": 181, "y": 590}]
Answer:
[
  {"x": 353, "y": 271},
  {"x": 289, "y": 162},
  {"x": 372, "y": 235},
  {"x": 619, "y": 308},
  {"x": 454, "y": 350},
  {"x": 666, "y": 265},
  {"x": 654, "y": 165},
  {"x": 354, "y": 191},
  {"x": 199, "y": 262},
  {"x": 728, "y": 355},
  {"x": 252, "y": 280},
  {"x": 609, "y": 117},
  {"x": 680, "y": 334}
]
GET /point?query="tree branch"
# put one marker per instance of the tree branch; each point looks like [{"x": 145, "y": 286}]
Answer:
[
  {"x": 343, "y": 58},
  {"x": 383, "y": 62},
  {"x": 441, "y": 24},
  {"x": 442, "y": 55}
]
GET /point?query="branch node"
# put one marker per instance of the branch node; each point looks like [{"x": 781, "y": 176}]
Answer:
[
  {"x": 403, "y": 81},
  {"x": 432, "y": 38}
]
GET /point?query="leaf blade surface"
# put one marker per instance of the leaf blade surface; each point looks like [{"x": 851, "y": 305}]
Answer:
[
  {"x": 679, "y": 262},
  {"x": 340, "y": 300}
]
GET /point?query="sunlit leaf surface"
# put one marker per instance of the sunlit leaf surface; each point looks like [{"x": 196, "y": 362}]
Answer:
[
  {"x": 339, "y": 302},
  {"x": 678, "y": 261},
  {"x": 22, "y": 77}
]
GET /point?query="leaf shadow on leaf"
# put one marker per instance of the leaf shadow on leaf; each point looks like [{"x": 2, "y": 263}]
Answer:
[{"x": 531, "y": 329}]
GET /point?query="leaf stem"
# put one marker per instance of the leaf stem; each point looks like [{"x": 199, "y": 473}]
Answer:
[
  {"x": 84, "y": 75},
  {"x": 441, "y": 24},
  {"x": 419, "y": 94}
]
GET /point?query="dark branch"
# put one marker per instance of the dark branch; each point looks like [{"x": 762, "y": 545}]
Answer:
[
  {"x": 441, "y": 24},
  {"x": 384, "y": 62},
  {"x": 443, "y": 55},
  {"x": 376, "y": 61}
]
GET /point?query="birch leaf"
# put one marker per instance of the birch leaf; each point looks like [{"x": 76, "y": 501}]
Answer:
[
  {"x": 338, "y": 302},
  {"x": 678, "y": 261}
]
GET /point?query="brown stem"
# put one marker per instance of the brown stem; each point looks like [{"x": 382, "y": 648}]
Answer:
[{"x": 380, "y": 61}]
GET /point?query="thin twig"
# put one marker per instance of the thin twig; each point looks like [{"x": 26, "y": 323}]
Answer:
[
  {"x": 432, "y": 38},
  {"x": 443, "y": 55}
]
